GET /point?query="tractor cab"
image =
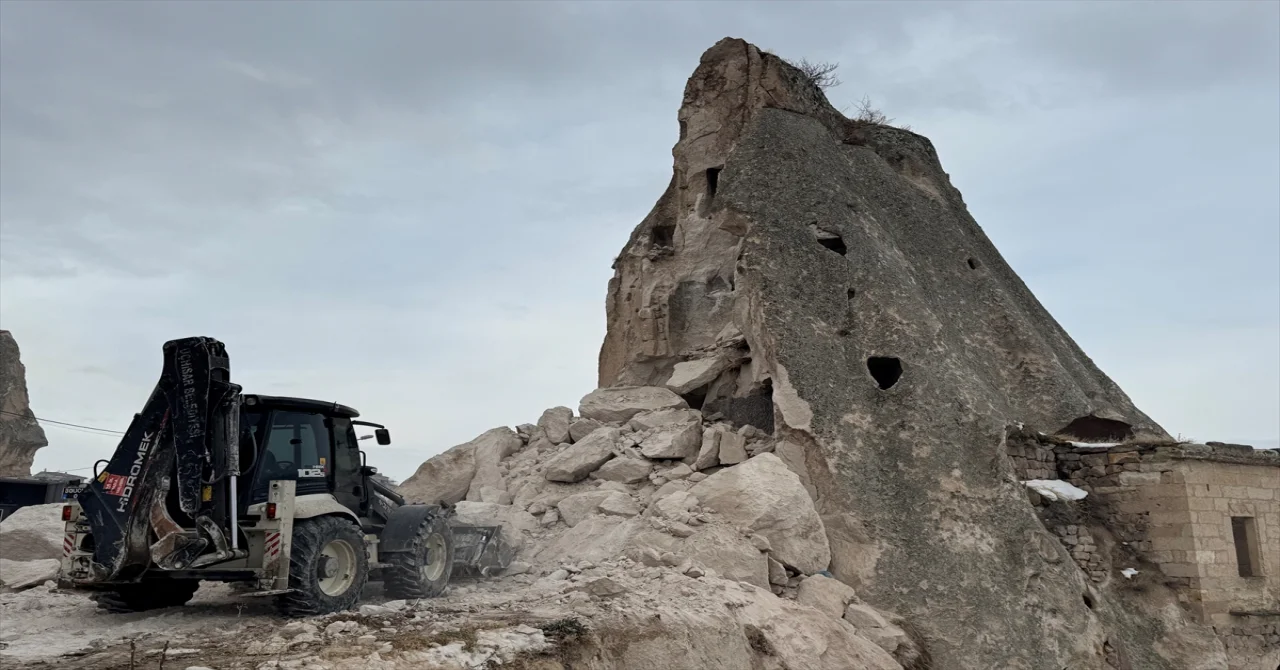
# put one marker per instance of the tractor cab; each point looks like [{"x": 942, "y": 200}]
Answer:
[{"x": 311, "y": 442}]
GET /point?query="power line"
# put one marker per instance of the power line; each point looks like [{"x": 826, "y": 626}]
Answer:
[{"x": 61, "y": 423}]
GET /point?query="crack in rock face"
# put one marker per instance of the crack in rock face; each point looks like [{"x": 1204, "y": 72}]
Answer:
[{"x": 883, "y": 340}]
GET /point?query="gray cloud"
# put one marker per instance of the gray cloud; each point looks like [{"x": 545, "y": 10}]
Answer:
[{"x": 412, "y": 207}]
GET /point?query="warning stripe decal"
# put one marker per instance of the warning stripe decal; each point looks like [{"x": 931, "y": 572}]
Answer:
[
  {"x": 273, "y": 544},
  {"x": 68, "y": 544}
]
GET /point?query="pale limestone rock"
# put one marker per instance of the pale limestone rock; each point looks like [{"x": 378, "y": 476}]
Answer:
[
  {"x": 690, "y": 375},
  {"x": 675, "y": 505},
  {"x": 681, "y": 471},
  {"x": 825, "y": 594},
  {"x": 732, "y": 449},
  {"x": 664, "y": 417},
  {"x": 555, "y": 424},
  {"x": 527, "y": 491},
  {"x": 777, "y": 573},
  {"x": 443, "y": 477},
  {"x": 582, "y": 458},
  {"x": 19, "y": 575},
  {"x": 674, "y": 441},
  {"x": 33, "y": 532},
  {"x": 618, "y": 404},
  {"x": 490, "y": 449},
  {"x": 490, "y": 494},
  {"x": 709, "y": 453},
  {"x": 668, "y": 488},
  {"x": 861, "y": 615},
  {"x": 619, "y": 504},
  {"x": 873, "y": 626},
  {"x": 541, "y": 445},
  {"x": 763, "y": 495},
  {"x": 624, "y": 469},
  {"x": 793, "y": 455},
  {"x": 725, "y": 550},
  {"x": 582, "y": 427},
  {"x": 579, "y": 506},
  {"x": 516, "y": 523}
]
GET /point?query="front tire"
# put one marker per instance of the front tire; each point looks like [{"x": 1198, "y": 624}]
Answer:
[
  {"x": 328, "y": 567},
  {"x": 148, "y": 595},
  {"x": 424, "y": 569}
]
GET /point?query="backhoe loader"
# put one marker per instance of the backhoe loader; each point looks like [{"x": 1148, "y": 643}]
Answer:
[{"x": 210, "y": 484}]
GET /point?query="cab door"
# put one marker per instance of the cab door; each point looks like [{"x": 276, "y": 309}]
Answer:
[{"x": 349, "y": 486}]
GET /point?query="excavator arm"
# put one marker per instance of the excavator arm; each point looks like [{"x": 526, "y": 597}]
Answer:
[{"x": 153, "y": 501}]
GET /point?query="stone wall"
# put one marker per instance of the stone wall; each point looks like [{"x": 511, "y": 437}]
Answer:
[{"x": 1174, "y": 504}]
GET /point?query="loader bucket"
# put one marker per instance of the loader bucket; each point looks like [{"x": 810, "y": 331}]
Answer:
[{"x": 480, "y": 549}]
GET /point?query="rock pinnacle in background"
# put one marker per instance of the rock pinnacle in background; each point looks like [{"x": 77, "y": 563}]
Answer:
[{"x": 20, "y": 434}]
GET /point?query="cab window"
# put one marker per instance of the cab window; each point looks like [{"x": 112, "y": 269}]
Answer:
[{"x": 297, "y": 448}]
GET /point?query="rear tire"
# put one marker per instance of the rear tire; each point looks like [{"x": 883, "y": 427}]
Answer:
[
  {"x": 149, "y": 595},
  {"x": 328, "y": 567},
  {"x": 424, "y": 569}
]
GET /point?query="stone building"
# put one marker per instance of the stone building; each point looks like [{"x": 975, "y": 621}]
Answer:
[{"x": 1205, "y": 516}]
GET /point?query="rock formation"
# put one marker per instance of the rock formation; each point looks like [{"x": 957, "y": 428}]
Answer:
[
  {"x": 20, "y": 435},
  {"x": 819, "y": 279}
]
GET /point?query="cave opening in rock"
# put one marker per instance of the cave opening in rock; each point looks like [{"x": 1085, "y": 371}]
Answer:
[
  {"x": 974, "y": 264},
  {"x": 684, "y": 128},
  {"x": 663, "y": 236},
  {"x": 1088, "y": 600},
  {"x": 886, "y": 370},
  {"x": 697, "y": 397},
  {"x": 853, "y": 293},
  {"x": 1098, "y": 429},
  {"x": 753, "y": 409},
  {"x": 831, "y": 241},
  {"x": 713, "y": 182}
]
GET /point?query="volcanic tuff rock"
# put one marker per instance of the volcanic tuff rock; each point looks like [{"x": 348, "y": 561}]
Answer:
[
  {"x": 827, "y": 272},
  {"x": 20, "y": 435}
]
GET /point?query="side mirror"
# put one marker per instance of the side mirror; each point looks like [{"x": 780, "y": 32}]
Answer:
[
  {"x": 383, "y": 435},
  {"x": 368, "y": 471}
]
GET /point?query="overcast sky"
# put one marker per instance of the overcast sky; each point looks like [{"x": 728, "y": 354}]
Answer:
[{"x": 412, "y": 208}]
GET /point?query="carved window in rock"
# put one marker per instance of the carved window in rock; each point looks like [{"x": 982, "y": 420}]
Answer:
[
  {"x": 711, "y": 186},
  {"x": 1244, "y": 531}
]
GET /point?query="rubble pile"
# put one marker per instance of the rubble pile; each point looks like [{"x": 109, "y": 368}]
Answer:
[
  {"x": 637, "y": 480},
  {"x": 30, "y": 546}
]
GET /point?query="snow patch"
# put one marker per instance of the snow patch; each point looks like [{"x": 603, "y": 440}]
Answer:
[
  {"x": 1095, "y": 445},
  {"x": 1128, "y": 573},
  {"x": 1056, "y": 489}
]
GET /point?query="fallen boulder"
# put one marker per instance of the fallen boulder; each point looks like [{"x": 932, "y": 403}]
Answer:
[
  {"x": 764, "y": 495},
  {"x": 18, "y": 575},
  {"x": 490, "y": 448},
  {"x": 555, "y": 424},
  {"x": 582, "y": 458},
  {"x": 724, "y": 550},
  {"x": 626, "y": 470},
  {"x": 581, "y": 428},
  {"x": 677, "y": 440},
  {"x": 32, "y": 533},
  {"x": 687, "y": 376},
  {"x": 579, "y": 506},
  {"x": 733, "y": 448},
  {"x": 873, "y": 626},
  {"x": 619, "y": 403},
  {"x": 826, "y": 595}
]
